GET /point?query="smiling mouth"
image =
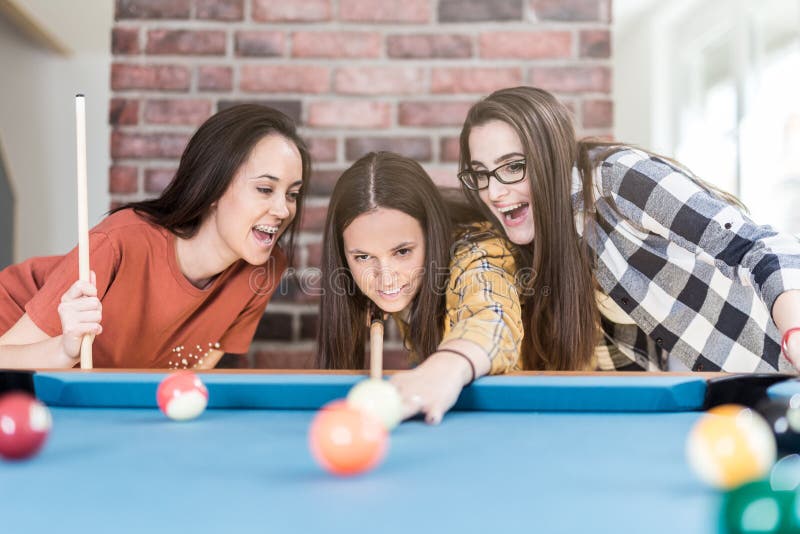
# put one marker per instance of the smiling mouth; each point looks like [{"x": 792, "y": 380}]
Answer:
[
  {"x": 264, "y": 234},
  {"x": 392, "y": 293},
  {"x": 514, "y": 213}
]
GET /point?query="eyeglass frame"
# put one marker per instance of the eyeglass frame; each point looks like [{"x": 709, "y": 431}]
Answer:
[{"x": 493, "y": 173}]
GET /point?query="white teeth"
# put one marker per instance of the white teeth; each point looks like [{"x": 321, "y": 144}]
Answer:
[
  {"x": 511, "y": 208},
  {"x": 267, "y": 229},
  {"x": 392, "y": 292}
]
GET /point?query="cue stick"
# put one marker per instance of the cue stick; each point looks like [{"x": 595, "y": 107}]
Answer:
[
  {"x": 376, "y": 344},
  {"x": 83, "y": 217}
]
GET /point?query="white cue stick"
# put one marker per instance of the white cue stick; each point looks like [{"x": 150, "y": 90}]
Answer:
[
  {"x": 83, "y": 217},
  {"x": 376, "y": 346}
]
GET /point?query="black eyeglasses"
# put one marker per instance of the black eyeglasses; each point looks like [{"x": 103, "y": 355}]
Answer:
[{"x": 507, "y": 173}]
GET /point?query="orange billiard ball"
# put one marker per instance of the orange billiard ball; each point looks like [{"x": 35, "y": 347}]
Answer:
[
  {"x": 24, "y": 425},
  {"x": 347, "y": 441}
]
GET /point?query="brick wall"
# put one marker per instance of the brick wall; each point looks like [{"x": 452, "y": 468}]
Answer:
[{"x": 357, "y": 75}]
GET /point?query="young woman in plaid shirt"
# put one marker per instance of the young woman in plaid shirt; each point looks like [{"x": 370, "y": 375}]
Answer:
[
  {"x": 615, "y": 236},
  {"x": 392, "y": 241}
]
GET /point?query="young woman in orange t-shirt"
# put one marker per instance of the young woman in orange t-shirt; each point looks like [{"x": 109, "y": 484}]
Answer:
[{"x": 179, "y": 280}]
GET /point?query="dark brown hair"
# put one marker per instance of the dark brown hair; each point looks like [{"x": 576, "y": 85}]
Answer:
[
  {"x": 559, "y": 312},
  {"x": 210, "y": 161},
  {"x": 390, "y": 181}
]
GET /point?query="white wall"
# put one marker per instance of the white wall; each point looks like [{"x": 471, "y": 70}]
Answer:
[{"x": 37, "y": 121}]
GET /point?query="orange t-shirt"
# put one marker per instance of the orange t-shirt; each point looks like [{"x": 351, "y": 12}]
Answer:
[{"x": 153, "y": 317}]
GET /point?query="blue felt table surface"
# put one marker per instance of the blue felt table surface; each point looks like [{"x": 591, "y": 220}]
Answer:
[
  {"x": 784, "y": 390},
  {"x": 133, "y": 471},
  {"x": 545, "y": 454},
  {"x": 596, "y": 393}
]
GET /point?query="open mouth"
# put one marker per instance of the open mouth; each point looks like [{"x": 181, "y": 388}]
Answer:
[
  {"x": 265, "y": 235},
  {"x": 514, "y": 214}
]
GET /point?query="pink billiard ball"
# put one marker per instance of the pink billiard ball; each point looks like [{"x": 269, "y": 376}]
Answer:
[
  {"x": 182, "y": 396},
  {"x": 24, "y": 425}
]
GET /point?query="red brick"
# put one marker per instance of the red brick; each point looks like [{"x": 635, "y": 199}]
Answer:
[
  {"x": 147, "y": 145},
  {"x": 595, "y": 43},
  {"x": 379, "y": 80},
  {"x": 308, "y": 325},
  {"x": 598, "y": 113},
  {"x": 480, "y": 10},
  {"x": 149, "y": 77},
  {"x": 429, "y": 46},
  {"x": 433, "y": 113},
  {"x": 336, "y": 44},
  {"x": 156, "y": 180},
  {"x": 189, "y": 112},
  {"x": 293, "y": 11},
  {"x": 474, "y": 80},
  {"x": 350, "y": 113},
  {"x": 567, "y": 10},
  {"x": 275, "y": 327},
  {"x": 314, "y": 254},
  {"x": 123, "y": 112},
  {"x": 418, "y": 148},
  {"x": 572, "y": 79},
  {"x": 188, "y": 42},
  {"x": 526, "y": 45},
  {"x": 282, "y": 358},
  {"x": 152, "y": 9},
  {"x": 125, "y": 41},
  {"x": 313, "y": 218},
  {"x": 385, "y": 11},
  {"x": 226, "y": 10},
  {"x": 214, "y": 78},
  {"x": 322, "y": 149},
  {"x": 449, "y": 149},
  {"x": 292, "y": 108},
  {"x": 444, "y": 176},
  {"x": 123, "y": 179},
  {"x": 260, "y": 44},
  {"x": 323, "y": 181},
  {"x": 285, "y": 79}
]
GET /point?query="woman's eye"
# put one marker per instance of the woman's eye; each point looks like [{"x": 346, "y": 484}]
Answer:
[
  {"x": 361, "y": 257},
  {"x": 264, "y": 190},
  {"x": 516, "y": 167},
  {"x": 403, "y": 251},
  {"x": 293, "y": 196}
]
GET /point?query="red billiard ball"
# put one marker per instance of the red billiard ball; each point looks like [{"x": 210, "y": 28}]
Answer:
[
  {"x": 182, "y": 396},
  {"x": 24, "y": 425},
  {"x": 347, "y": 441}
]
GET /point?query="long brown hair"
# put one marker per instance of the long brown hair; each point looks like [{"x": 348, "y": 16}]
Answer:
[
  {"x": 559, "y": 312},
  {"x": 390, "y": 181},
  {"x": 210, "y": 161}
]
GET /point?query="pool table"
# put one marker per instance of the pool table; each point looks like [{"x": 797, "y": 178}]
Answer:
[{"x": 534, "y": 453}]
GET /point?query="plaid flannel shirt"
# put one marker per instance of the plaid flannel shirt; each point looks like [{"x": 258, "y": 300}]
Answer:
[
  {"x": 482, "y": 301},
  {"x": 697, "y": 276}
]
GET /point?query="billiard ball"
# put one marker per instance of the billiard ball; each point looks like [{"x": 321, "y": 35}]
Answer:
[
  {"x": 729, "y": 446},
  {"x": 783, "y": 418},
  {"x": 24, "y": 425},
  {"x": 756, "y": 507},
  {"x": 379, "y": 398},
  {"x": 347, "y": 441},
  {"x": 182, "y": 396}
]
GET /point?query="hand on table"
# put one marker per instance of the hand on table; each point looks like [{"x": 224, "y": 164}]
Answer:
[
  {"x": 81, "y": 312},
  {"x": 433, "y": 387}
]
